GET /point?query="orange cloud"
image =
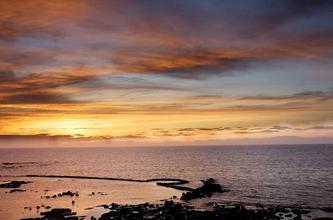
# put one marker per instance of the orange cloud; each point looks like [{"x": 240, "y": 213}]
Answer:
[
  {"x": 59, "y": 63},
  {"x": 37, "y": 17}
]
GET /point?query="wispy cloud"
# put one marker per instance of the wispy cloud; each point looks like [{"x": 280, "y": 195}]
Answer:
[
  {"x": 321, "y": 95},
  {"x": 122, "y": 68}
]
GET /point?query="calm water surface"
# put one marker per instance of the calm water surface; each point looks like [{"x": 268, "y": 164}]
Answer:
[{"x": 285, "y": 175}]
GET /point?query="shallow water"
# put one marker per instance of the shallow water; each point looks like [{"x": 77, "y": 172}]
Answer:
[
  {"x": 283, "y": 175},
  {"x": 92, "y": 193}
]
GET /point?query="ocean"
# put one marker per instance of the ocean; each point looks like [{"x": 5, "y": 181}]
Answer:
[{"x": 285, "y": 175}]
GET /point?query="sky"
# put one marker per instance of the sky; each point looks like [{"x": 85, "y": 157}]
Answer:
[{"x": 164, "y": 73}]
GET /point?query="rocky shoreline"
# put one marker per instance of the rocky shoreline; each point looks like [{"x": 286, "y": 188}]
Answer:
[
  {"x": 171, "y": 210},
  {"x": 176, "y": 208}
]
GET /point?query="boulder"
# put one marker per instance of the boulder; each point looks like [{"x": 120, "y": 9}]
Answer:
[
  {"x": 206, "y": 190},
  {"x": 13, "y": 184}
]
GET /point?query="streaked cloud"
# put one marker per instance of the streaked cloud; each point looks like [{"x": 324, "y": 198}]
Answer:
[
  {"x": 196, "y": 70},
  {"x": 321, "y": 95}
]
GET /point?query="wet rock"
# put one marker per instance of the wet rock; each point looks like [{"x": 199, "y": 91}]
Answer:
[
  {"x": 16, "y": 190},
  {"x": 59, "y": 214},
  {"x": 104, "y": 206},
  {"x": 91, "y": 194},
  {"x": 206, "y": 190},
  {"x": 172, "y": 210},
  {"x": 68, "y": 193},
  {"x": 30, "y": 218},
  {"x": 327, "y": 209},
  {"x": 299, "y": 211},
  {"x": 114, "y": 205},
  {"x": 280, "y": 209},
  {"x": 72, "y": 218},
  {"x": 323, "y": 218},
  {"x": 168, "y": 203},
  {"x": 13, "y": 184}
]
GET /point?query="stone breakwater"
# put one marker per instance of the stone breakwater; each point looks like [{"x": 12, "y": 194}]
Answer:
[
  {"x": 165, "y": 182},
  {"x": 206, "y": 190}
]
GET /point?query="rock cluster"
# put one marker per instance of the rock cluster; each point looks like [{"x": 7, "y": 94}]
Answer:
[
  {"x": 171, "y": 210},
  {"x": 68, "y": 193},
  {"x": 206, "y": 190}
]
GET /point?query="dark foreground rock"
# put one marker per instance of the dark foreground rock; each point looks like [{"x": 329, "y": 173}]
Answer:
[
  {"x": 327, "y": 209},
  {"x": 60, "y": 214},
  {"x": 13, "y": 184},
  {"x": 206, "y": 190},
  {"x": 57, "y": 214},
  {"x": 171, "y": 210}
]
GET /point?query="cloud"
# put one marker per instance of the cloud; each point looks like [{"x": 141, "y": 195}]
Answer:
[
  {"x": 278, "y": 140},
  {"x": 125, "y": 82},
  {"x": 121, "y": 63},
  {"x": 200, "y": 39},
  {"x": 37, "y": 88},
  {"x": 319, "y": 95},
  {"x": 197, "y": 62},
  {"x": 33, "y": 137},
  {"x": 76, "y": 137},
  {"x": 33, "y": 98},
  {"x": 187, "y": 64},
  {"x": 205, "y": 129},
  {"x": 37, "y": 18},
  {"x": 203, "y": 44},
  {"x": 278, "y": 128}
]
